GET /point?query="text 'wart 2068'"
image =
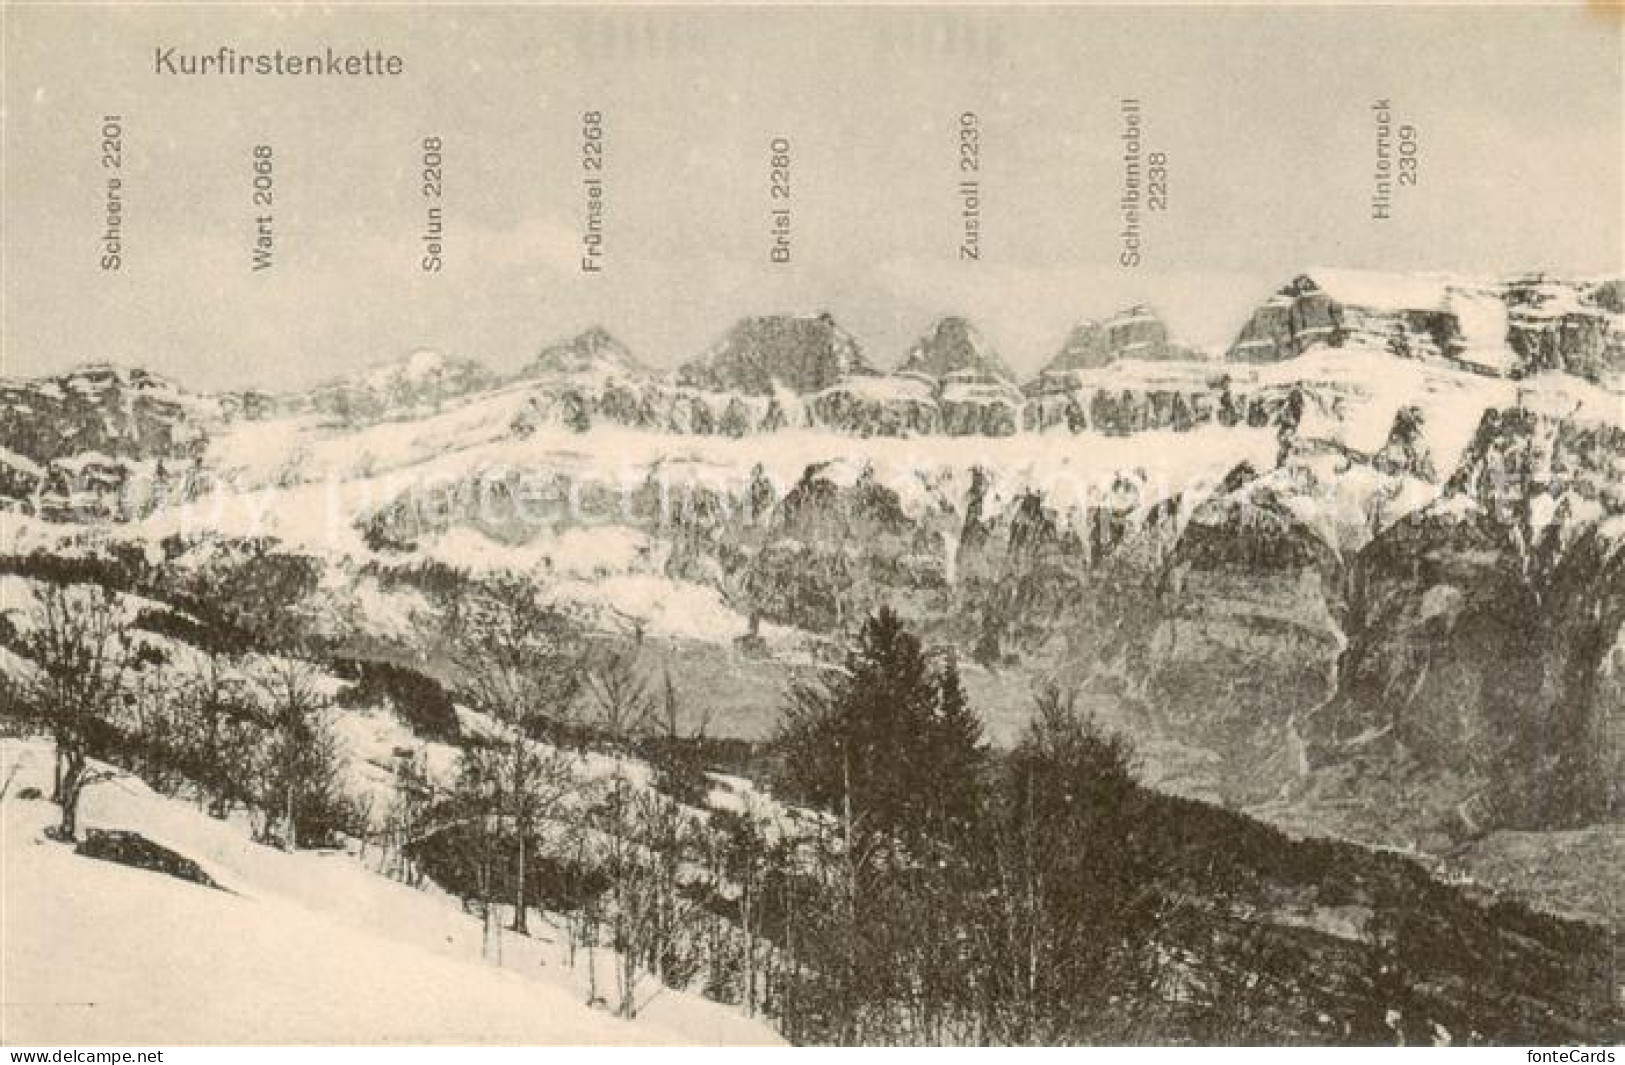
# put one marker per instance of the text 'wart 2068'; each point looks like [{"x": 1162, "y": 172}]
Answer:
[{"x": 262, "y": 251}]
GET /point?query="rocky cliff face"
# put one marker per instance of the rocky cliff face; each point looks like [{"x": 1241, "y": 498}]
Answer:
[
  {"x": 762, "y": 354},
  {"x": 1578, "y": 329},
  {"x": 778, "y": 373},
  {"x": 1246, "y": 629},
  {"x": 110, "y": 410},
  {"x": 1120, "y": 377},
  {"x": 1289, "y": 323},
  {"x": 1120, "y": 401},
  {"x": 878, "y": 405},
  {"x": 1136, "y": 333},
  {"x": 1484, "y": 632},
  {"x": 953, "y": 348},
  {"x": 974, "y": 390},
  {"x": 1432, "y": 319},
  {"x": 71, "y": 446},
  {"x": 1514, "y": 328}
]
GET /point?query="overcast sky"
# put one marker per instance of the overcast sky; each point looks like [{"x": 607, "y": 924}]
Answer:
[{"x": 1265, "y": 115}]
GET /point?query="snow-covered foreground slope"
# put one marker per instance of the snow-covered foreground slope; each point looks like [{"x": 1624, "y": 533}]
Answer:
[{"x": 301, "y": 948}]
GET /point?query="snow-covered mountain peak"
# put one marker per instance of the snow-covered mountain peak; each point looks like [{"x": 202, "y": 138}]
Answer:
[
  {"x": 1509, "y": 328},
  {"x": 593, "y": 352}
]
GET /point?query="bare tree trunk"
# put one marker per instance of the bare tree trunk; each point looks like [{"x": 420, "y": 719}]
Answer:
[
  {"x": 793, "y": 966},
  {"x": 290, "y": 842},
  {"x": 72, "y": 785},
  {"x": 521, "y": 783},
  {"x": 750, "y": 949},
  {"x": 626, "y": 970},
  {"x": 68, "y": 831},
  {"x": 490, "y": 928},
  {"x": 848, "y": 1000},
  {"x": 519, "y": 923},
  {"x": 592, "y": 962}
]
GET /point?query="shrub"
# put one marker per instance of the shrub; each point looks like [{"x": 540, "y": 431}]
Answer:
[
  {"x": 136, "y": 851},
  {"x": 420, "y": 700}
]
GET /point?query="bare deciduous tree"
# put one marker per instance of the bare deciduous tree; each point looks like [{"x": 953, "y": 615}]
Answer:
[
  {"x": 650, "y": 853},
  {"x": 519, "y": 662},
  {"x": 80, "y": 644},
  {"x": 621, "y": 701},
  {"x": 301, "y": 767},
  {"x": 517, "y": 785},
  {"x": 224, "y": 738}
]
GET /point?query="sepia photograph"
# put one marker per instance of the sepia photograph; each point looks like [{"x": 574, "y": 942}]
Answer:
[{"x": 772, "y": 525}]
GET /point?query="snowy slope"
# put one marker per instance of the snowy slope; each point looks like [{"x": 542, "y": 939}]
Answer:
[{"x": 301, "y": 948}]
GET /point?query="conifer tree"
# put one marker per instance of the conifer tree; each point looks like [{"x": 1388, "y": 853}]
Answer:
[{"x": 889, "y": 741}]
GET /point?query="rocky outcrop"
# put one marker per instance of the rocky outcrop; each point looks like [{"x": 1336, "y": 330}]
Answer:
[
  {"x": 108, "y": 410},
  {"x": 1522, "y": 462},
  {"x": 419, "y": 384},
  {"x": 100, "y": 443},
  {"x": 759, "y": 355},
  {"x": 1576, "y": 329},
  {"x": 655, "y": 406},
  {"x": 1484, "y": 635},
  {"x": 1072, "y": 390},
  {"x": 1246, "y": 630},
  {"x": 954, "y": 349},
  {"x": 877, "y": 405},
  {"x": 979, "y": 408},
  {"x": 1136, "y": 333},
  {"x": 20, "y": 480},
  {"x": 838, "y": 546},
  {"x": 974, "y": 391},
  {"x": 593, "y": 352},
  {"x": 1514, "y": 328},
  {"x": 256, "y": 405},
  {"x": 1406, "y": 452},
  {"x": 1285, "y": 326},
  {"x": 1401, "y": 316}
]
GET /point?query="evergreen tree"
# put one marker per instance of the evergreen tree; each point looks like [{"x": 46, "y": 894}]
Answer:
[
  {"x": 574, "y": 412},
  {"x": 954, "y": 764},
  {"x": 889, "y": 741},
  {"x": 735, "y": 419},
  {"x": 775, "y": 418},
  {"x": 1067, "y": 941}
]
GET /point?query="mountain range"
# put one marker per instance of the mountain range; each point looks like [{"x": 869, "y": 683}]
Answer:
[{"x": 1361, "y": 574}]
